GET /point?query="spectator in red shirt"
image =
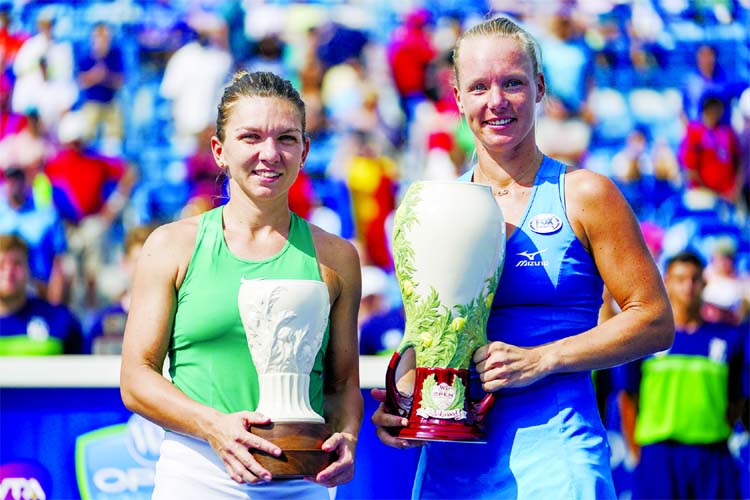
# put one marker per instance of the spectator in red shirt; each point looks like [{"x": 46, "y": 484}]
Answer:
[
  {"x": 90, "y": 191},
  {"x": 410, "y": 52},
  {"x": 709, "y": 152},
  {"x": 82, "y": 179}
]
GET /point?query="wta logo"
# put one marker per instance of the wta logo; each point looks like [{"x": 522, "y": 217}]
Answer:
[
  {"x": 118, "y": 461},
  {"x": 24, "y": 480}
]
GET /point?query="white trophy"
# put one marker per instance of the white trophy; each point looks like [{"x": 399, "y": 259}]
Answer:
[{"x": 285, "y": 321}]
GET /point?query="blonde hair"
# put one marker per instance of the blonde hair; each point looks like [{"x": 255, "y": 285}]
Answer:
[
  {"x": 258, "y": 84},
  {"x": 506, "y": 28}
]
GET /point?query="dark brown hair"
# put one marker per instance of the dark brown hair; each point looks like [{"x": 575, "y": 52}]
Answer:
[{"x": 258, "y": 84}]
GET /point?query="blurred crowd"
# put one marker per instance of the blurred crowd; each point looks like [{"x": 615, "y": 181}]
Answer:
[{"x": 107, "y": 109}]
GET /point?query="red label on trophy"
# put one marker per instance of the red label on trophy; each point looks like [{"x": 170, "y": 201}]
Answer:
[{"x": 448, "y": 249}]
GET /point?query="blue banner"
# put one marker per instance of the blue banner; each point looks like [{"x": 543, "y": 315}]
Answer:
[{"x": 117, "y": 462}]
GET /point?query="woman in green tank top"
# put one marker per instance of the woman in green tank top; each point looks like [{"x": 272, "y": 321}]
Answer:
[{"x": 191, "y": 280}]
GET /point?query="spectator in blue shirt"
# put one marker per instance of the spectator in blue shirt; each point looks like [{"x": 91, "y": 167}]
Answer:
[
  {"x": 100, "y": 76},
  {"x": 30, "y": 325},
  {"x": 40, "y": 227}
]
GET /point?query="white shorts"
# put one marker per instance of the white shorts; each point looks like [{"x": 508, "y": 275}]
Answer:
[{"x": 189, "y": 469}]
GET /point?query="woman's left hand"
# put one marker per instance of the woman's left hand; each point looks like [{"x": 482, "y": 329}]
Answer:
[
  {"x": 502, "y": 365},
  {"x": 343, "y": 444}
]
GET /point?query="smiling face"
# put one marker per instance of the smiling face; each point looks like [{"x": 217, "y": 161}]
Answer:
[
  {"x": 497, "y": 92},
  {"x": 263, "y": 147}
]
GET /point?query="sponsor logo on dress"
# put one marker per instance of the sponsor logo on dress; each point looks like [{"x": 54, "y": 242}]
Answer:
[
  {"x": 545, "y": 223},
  {"x": 530, "y": 259}
]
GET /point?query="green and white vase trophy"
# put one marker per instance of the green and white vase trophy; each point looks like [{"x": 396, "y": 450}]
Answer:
[
  {"x": 448, "y": 250},
  {"x": 285, "y": 321}
]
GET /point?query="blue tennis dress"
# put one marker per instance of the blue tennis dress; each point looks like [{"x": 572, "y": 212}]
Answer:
[{"x": 545, "y": 440}]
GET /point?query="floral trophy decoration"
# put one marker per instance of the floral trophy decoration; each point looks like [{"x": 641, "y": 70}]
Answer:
[
  {"x": 285, "y": 322},
  {"x": 448, "y": 249}
]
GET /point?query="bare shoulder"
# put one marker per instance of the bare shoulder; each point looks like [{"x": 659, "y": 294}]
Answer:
[
  {"x": 334, "y": 251},
  {"x": 586, "y": 186},
  {"x": 171, "y": 245},
  {"x": 594, "y": 205},
  {"x": 339, "y": 264}
]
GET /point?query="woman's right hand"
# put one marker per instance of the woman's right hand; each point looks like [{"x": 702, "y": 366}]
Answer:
[
  {"x": 232, "y": 440},
  {"x": 386, "y": 424}
]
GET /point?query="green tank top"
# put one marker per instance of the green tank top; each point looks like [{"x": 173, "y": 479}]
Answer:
[{"x": 209, "y": 357}]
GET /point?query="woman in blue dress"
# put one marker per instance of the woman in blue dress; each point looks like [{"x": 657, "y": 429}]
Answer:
[{"x": 570, "y": 232}]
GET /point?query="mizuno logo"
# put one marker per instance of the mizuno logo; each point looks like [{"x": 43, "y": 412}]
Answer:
[
  {"x": 531, "y": 255},
  {"x": 530, "y": 259}
]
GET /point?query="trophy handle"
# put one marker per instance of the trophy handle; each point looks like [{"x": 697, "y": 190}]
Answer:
[
  {"x": 481, "y": 408},
  {"x": 392, "y": 397}
]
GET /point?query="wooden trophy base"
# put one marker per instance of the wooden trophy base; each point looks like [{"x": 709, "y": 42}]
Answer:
[{"x": 300, "y": 442}]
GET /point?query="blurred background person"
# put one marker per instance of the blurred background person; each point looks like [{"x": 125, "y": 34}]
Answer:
[
  {"x": 381, "y": 324},
  {"x": 100, "y": 77},
  {"x": 194, "y": 77},
  {"x": 43, "y": 70},
  {"x": 687, "y": 399},
  {"x": 371, "y": 177},
  {"x": 710, "y": 152},
  {"x": 726, "y": 296},
  {"x": 41, "y": 229},
  {"x": 706, "y": 76},
  {"x": 90, "y": 192},
  {"x": 115, "y": 281},
  {"x": 30, "y": 325},
  {"x": 410, "y": 51},
  {"x": 11, "y": 39}
]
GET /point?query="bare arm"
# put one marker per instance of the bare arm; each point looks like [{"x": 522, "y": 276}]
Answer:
[
  {"x": 606, "y": 225},
  {"x": 645, "y": 324},
  {"x": 344, "y": 406},
  {"x": 161, "y": 267}
]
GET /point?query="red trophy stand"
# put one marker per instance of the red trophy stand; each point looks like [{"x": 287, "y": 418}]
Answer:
[{"x": 459, "y": 424}]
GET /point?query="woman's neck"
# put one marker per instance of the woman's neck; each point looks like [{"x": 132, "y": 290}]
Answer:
[
  {"x": 518, "y": 168},
  {"x": 245, "y": 214}
]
